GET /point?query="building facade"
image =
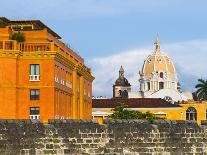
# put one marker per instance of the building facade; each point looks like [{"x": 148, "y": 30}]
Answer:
[
  {"x": 190, "y": 111},
  {"x": 41, "y": 77}
]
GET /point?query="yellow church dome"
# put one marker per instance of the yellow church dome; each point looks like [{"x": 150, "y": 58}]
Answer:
[{"x": 158, "y": 64}]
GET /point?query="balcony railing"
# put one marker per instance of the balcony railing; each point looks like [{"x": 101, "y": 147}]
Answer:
[
  {"x": 34, "y": 116},
  {"x": 8, "y": 45},
  {"x": 42, "y": 47},
  {"x": 34, "y": 78},
  {"x": 35, "y": 47}
]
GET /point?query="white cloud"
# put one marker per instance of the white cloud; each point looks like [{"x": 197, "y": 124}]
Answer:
[
  {"x": 106, "y": 70},
  {"x": 189, "y": 58}
]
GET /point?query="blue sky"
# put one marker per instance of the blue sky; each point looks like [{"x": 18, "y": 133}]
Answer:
[{"x": 110, "y": 33}]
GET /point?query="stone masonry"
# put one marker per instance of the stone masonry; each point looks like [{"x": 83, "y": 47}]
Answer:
[{"x": 114, "y": 137}]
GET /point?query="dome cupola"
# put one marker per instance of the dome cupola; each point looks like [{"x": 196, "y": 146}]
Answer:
[
  {"x": 158, "y": 71},
  {"x": 122, "y": 81}
]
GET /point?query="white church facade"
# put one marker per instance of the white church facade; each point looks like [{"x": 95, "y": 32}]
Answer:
[{"x": 158, "y": 79}]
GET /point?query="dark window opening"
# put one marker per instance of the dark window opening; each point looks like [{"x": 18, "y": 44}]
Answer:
[
  {"x": 34, "y": 111},
  {"x": 148, "y": 85},
  {"x": 161, "y": 85},
  {"x": 161, "y": 74},
  {"x": 34, "y": 94},
  {"x": 125, "y": 94}
]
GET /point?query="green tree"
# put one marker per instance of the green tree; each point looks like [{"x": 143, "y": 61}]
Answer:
[
  {"x": 121, "y": 112},
  {"x": 18, "y": 36},
  {"x": 201, "y": 91}
]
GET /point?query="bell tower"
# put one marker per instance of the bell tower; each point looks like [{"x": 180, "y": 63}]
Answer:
[{"x": 121, "y": 86}]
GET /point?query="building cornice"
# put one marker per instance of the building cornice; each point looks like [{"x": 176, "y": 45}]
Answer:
[
  {"x": 85, "y": 73},
  {"x": 9, "y": 53}
]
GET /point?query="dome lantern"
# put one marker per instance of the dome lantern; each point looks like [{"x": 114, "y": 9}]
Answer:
[{"x": 157, "y": 45}]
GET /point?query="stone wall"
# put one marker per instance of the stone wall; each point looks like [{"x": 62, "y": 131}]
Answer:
[{"x": 114, "y": 137}]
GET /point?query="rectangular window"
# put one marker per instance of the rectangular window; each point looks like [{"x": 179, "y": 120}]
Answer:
[
  {"x": 34, "y": 94},
  {"x": 34, "y": 72},
  {"x": 34, "y": 113},
  {"x": 34, "y": 69}
]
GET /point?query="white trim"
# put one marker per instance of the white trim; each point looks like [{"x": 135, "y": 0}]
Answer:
[
  {"x": 155, "y": 59},
  {"x": 34, "y": 77},
  {"x": 34, "y": 117},
  {"x": 68, "y": 84},
  {"x": 100, "y": 113},
  {"x": 145, "y": 64},
  {"x": 160, "y": 113}
]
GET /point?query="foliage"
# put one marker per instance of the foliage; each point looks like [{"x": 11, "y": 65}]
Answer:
[
  {"x": 121, "y": 112},
  {"x": 2, "y": 24},
  {"x": 18, "y": 36},
  {"x": 201, "y": 91}
]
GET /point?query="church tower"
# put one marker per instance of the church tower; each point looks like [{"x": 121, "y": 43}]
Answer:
[
  {"x": 122, "y": 87},
  {"x": 158, "y": 72}
]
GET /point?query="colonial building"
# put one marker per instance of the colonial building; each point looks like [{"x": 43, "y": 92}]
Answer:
[
  {"x": 122, "y": 87},
  {"x": 41, "y": 77},
  {"x": 192, "y": 111}
]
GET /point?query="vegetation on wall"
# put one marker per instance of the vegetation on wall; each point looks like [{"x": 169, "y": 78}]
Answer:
[
  {"x": 18, "y": 36},
  {"x": 121, "y": 112},
  {"x": 201, "y": 91}
]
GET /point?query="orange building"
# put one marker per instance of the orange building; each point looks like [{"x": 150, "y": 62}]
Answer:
[{"x": 41, "y": 78}]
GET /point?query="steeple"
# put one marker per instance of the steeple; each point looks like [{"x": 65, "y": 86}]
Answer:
[
  {"x": 157, "y": 45},
  {"x": 121, "y": 72}
]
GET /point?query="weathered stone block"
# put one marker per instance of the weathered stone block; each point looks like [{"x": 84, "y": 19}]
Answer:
[
  {"x": 49, "y": 146},
  {"x": 50, "y": 151},
  {"x": 89, "y": 140}
]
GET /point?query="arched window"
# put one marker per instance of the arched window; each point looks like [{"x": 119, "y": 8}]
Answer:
[
  {"x": 191, "y": 114},
  {"x": 161, "y": 74},
  {"x": 120, "y": 92}
]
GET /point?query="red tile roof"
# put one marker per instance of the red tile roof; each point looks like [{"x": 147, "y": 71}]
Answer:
[{"x": 133, "y": 103}]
